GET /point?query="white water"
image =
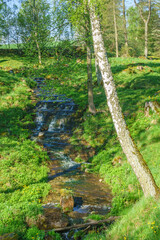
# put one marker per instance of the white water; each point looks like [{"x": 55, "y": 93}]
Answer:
[
  {"x": 66, "y": 161},
  {"x": 56, "y": 124},
  {"x": 52, "y": 124}
]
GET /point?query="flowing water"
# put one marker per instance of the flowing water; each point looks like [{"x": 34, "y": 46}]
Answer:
[{"x": 54, "y": 124}]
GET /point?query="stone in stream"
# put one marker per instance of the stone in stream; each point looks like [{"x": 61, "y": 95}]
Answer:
[
  {"x": 41, "y": 134},
  {"x": 66, "y": 200},
  {"x": 52, "y": 218},
  {"x": 9, "y": 236}
]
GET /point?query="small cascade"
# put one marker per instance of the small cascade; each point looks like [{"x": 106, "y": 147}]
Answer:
[{"x": 54, "y": 124}]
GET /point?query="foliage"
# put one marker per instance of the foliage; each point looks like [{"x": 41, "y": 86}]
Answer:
[
  {"x": 35, "y": 233},
  {"x": 54, "y": 235},
  {"x": 95, "y": 217},
  {"x": 34, "y": 21}
]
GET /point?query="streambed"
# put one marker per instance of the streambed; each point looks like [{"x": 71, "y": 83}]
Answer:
[{"x": 54, "y": 124}]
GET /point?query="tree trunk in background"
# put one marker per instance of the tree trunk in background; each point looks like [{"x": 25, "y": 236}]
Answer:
[
  {"x": 146, "y": 21},
  {"x": 39, "y": 51},
  {"x": 91, "y": 105},
  {"x": 8, "y": 40},
  {"x": 133, "y": 155},
  {"x": 98, "y": 73},
  {"x": 146, "y": 39},
  {"x": 115, "y": 27},
  {"x": 35, "y": 33},
  {"x": 125, "y": 28}
]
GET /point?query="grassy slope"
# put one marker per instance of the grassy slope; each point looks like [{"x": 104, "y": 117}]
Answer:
[
  {"x": 135, "y": 87},
  {"x": 23, "y": 167}
]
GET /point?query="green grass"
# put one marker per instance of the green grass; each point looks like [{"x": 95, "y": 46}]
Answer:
[
  {"x": 23, "y": 164},
  {"x": 139, "y": 217},
  {"x": 5, "y": 46}
]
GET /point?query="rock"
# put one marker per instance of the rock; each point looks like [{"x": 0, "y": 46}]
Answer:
[
  {"x": 41, "y": 134},
  {"x": 9, "y": 236},
  {"x": 8, "y": 184},
  {"x": 154, "y": 106},
  {"x": 31, "y": 221},
  {"x": 53, "y": 218},
  {"x": 139, "y": 68},
  {"x": 75, "y": 214},
  {"x": 117, "y": 161},
  {"x": 67, "y": 203}
]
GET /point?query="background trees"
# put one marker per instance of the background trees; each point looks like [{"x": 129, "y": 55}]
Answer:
[
  {"x": 34, "y": 22},
  {"x": 146, "y": 20},
  {"x": 52, "y": 21}
]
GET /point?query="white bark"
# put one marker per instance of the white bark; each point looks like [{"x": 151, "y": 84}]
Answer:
[
  {"x": 98, "y": 73},
  {"x": 134, "y": 157}
]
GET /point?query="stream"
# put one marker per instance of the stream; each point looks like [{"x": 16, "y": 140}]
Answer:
[{"x": 54, "y": 124}]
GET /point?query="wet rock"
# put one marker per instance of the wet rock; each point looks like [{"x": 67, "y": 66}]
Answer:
[
  {"x": 9, "y": 236},
  {"x": 53, "y": 218},
  {"x": 67, "y": 203},
  {"x": 41, "y": 134},
  {"x": 78, "y": 215},
  {"x": 67, "y": 200}
]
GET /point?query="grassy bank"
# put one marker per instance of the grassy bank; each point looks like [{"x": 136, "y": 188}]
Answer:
[
  {"x": 23, "y": 167},
  {"x": 139, "y": 217}
]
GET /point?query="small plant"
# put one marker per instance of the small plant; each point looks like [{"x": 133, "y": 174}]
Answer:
[
  {"x": 66, "y": 192},
  {"x": 55, "y": 236},
  {"x": 95, "y": 217},
  {"x": 35, "y": 233},
  {"x": 79, "y": 235}
]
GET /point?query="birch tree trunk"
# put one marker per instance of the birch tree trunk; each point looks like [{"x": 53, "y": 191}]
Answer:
[
  {"x": 39, "y": 51},
  {"x": 88, "y": 37},
  {"x": 98, "y": 73},
  {"x": 35, "y": 32},
  {"x": 125, "y": 28},
  {"x": 146, "y": 22},
  {"x": 146, "y": 39},
  {"x": 115, "y": 27},
  {"x": 133, "y": 155},
  {"x": 91, "y": 105}
]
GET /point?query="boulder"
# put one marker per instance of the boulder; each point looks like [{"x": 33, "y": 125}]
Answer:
[
  {"x": 67, "y": 203},
  {"x": 53, "y": 218},
  {"x": 9, "y": 236}
]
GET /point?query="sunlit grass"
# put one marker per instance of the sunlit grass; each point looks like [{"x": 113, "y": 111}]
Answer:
[{"x": 23, "y": 166}]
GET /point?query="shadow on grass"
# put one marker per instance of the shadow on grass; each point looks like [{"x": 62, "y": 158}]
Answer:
[
  {"x": 11, "y": 120},
  {"x": 144, "y": 82},
  {"x": 7, "y": 82},
  {"x": 3, "y": 61},
  {"x": 12, "y": 190},
  {"x": 119, "y": 68}
]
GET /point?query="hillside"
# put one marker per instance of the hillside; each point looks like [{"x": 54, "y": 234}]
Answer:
[{"x": 22, "y": 192}]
